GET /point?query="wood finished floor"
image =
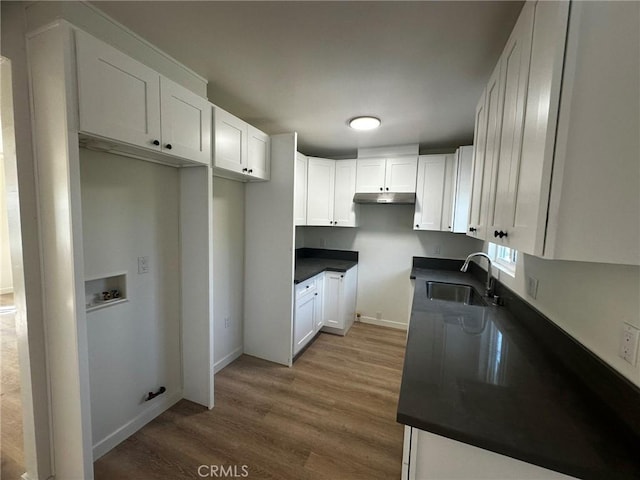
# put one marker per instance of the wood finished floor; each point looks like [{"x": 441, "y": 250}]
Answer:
[
  {"x": 330, "y": 417},
  {"x": 11, "y": 447}
]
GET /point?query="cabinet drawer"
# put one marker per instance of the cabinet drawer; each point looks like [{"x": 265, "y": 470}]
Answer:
[{"x": 306, "y": 287}]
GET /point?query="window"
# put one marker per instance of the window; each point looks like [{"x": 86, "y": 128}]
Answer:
[{"x": 504, "y": 258}]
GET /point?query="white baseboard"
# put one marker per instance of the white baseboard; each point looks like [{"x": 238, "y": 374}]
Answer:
[
  {"x": 226, "y": 360},
  {"x": 131, "y": 427},
  {"x": 383, "y": 323},
  {"x": 6, "y": 290}
]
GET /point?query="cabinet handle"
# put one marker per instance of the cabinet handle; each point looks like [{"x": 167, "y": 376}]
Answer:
[
  {"x": 308, "y": 286},
  {"x": 417, "y": 226},
  {"x": 156, "y": 142},
  {"x": 245, "y": 169},
  {"x": 387, "y": 189},
  {"x": 503, "y": 234},
  {"x": 471, "y": 229},
  {"x": 316, "y": 294},
  {"x": 335, "y": 223},
  {"x": 341, "y": 276},
  {"x": 381, "y": 189},
  {"x": 168, "y": 146},
  {"x": 251, "y": 170},
  {"x": 496, "y": 233}
]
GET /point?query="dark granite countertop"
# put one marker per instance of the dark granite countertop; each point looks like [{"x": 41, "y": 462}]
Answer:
[
  {"x": 476, "y": 375},
  {"x": 312, "y": 261}
]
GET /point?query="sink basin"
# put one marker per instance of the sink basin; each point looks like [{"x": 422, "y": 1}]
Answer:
[{"x": 453, "y": 292}]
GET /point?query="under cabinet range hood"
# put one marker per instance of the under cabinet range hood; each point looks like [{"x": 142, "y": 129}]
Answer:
[{"x": 385, "y": 198}]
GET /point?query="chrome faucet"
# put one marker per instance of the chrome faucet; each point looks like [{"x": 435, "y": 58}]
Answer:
[{"x": 489, "y": 287}]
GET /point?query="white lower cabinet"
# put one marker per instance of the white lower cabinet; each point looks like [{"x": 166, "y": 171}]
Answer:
[
  {"x": 339, "y": 300},
  {"x": 308, "y": 317},
  {"x": 428, "y": 456}
]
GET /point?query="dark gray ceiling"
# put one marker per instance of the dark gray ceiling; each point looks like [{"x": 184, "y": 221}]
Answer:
[{"x": 310, "y": 66}]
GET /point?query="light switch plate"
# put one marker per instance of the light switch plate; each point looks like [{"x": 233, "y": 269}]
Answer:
[
  {"x": 629, "y": 343},
  {"x": 143, "y": 265}
]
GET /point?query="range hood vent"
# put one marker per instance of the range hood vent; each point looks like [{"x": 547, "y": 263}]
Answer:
[{"x": 385, "y": 198}]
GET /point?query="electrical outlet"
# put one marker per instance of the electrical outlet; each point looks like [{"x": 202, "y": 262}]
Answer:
[
  {"x": 629, "y": 343},
  {"x": 436, "y": 250},
  {"x": 143, "y": 265},
  {"x": 532, "y": 287},
  {"x": 227, "y": 322}
]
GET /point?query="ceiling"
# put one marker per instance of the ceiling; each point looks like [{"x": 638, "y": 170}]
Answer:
[{"x": 311, "y": 66}]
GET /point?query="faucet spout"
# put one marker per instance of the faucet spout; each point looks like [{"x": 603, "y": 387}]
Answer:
[{"x": 489, "y": 285}]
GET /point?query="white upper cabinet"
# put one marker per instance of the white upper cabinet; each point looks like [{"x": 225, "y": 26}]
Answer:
[
  {"x": 259, "y": 148},
  {"x": 400, "y": 174},
  {"x": 123, "y": 100},
  {"x": 370, "y": 175},
  {"x": 513, "y": 91},
  {"x": 483, "y": 167},
  {"x": 430, "y": 194},
  {"x": 443, "y": 191},
  {"x": 119, "y": 97},
  {"x": 300, "y": 190},
  {"x": 331, "y": 185},
  {"x": 396, "y": 174},
  {"x": 551, "y": 193},
  {"x": 344, "y": 210},
  {"x": 462, "y": 194},
  {"x": 186, "y": 122},
  {"x": 478, "y": 170},
  {"x": 230, "y": 141},
  {"x": 240, "y": 151},
  {"x": 321, "y": 175}
]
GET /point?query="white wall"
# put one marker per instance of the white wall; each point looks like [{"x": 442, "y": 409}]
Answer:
[
  {"x": 590, "y": 301},
  {"x": 130, "y": 208},
  {"x": 387, "y": 242},
  {"x": 228, "y": 269},
  {"x": 6, "y": 280}
]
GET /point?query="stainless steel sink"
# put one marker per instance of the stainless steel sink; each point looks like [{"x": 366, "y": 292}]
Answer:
[{"x": 453, "y": 292}]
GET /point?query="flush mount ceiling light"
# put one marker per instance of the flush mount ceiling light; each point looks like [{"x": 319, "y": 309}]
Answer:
[{"x": 364, "y": 123}]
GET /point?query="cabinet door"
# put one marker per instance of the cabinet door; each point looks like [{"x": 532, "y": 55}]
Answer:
[
  {"x": 318, "y": 313},
  {"x": 515, "y": 77},
  {"x": 430, "y": 195},
  {"x": 320, "y": 191},
  {"x": 494, "y": 123},
  {"x": 478, "y": 170},
  {"x": 400, "y": 174},
  {"x": 230, "y": 141},
  {"x": 448, "y": 195},
  {"x": 462, "y": 195},
  {"x": 186, "y": 123},
  {"x": 344, "y": 210},
  {"x": 259, "y": 158},
  {"x": 119, "y": 97},
  {"x": 370, "y": 175},
  {"x": 300, "y": 189},
  {"x": 332, "y": 295},
  {"x": 303, "y": 323}
]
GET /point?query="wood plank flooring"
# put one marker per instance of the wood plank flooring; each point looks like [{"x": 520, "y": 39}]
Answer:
[
  {"x": 329, "y": 417},
  {"x": 11, "y": 444}
]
